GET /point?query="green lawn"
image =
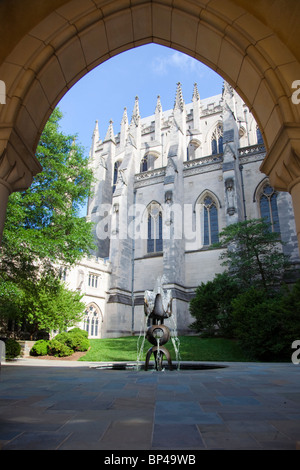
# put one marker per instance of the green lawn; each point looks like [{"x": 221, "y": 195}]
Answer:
[{"x": 192, "y": 348}]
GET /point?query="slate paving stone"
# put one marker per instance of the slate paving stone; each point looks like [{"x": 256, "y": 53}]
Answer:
[
  {"x": 230, "y": 441},
  {"x": 175, "y": 412},
  {"x": 237, "y": 401},
  {"x": 177, "y": 436},
  {"x": 36, "y": 441},
  {"x": 85, "y": 424},
  {"x": 81, "y": 404},
  {"x": 82, "y": 441},
  {"x": 245, "y": 406},
  {"x": 131, "y": 433}
]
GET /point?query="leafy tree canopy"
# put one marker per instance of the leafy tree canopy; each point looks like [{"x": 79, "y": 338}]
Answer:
[
  {"x": 43, "y": 232},
  {"x": 253, "y": 254},
  {"x": 42, "y": 227}
]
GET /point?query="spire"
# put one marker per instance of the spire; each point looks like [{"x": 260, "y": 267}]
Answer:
[
  {"x": 158, "y": 108},
  {"x": 96, "y": 132},
  {"x": 110, "y": 133},
  {"x": 124, "y": 128},
  {"x": 196, "y": 96},
  {"x": 179, "y": 103},
  {"x": 136, "y": 112},
  {"x": 125, "y": 117},
  {"x": 158, "y": 120},
  {"x": 196, "y": 109}
]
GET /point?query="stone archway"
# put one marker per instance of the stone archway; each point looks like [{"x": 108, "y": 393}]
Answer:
[{"x": 48, "y": 46}]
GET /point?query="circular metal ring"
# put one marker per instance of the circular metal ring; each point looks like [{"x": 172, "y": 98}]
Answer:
[{"x": 158, "y": 332}]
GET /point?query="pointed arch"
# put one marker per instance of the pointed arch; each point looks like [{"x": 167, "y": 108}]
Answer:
[
  {"x": 154, "y": 217},
  {"x": 92, "y": 320},
  {"x": 116, "y": 174},
  {"x": 266, "y": 198},
  {"x": 207, "y": 192},
  {"x": 217, "y": 139},
  {"x": 207, "y": 210}
]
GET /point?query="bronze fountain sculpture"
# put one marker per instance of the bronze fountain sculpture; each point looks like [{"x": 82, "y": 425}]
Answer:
[{"x": 158, "y": 307}]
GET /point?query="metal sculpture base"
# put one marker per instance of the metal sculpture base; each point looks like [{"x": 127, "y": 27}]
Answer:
[{"x": 158, "y": 356}]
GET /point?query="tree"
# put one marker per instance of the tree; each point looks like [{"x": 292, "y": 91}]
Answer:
[
  {"x": 211, "y": 306},
  {"x": 267, "y": 324},
  {"x": 253, "y": 254},
  {"x": 43, "y": 232},
  {"x": 44, "y": 305},
  {"x": 50, "y": 306},
  {"x": 42, "y": 227}
]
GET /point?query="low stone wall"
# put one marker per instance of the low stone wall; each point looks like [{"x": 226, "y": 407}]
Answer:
[{"x": 26, "y": 347}]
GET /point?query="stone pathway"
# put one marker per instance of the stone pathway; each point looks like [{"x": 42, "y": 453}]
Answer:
[{"x": 73, "y": 405}]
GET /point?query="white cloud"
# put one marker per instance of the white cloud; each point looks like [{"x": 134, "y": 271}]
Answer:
[{"x": 161, "y": 65}]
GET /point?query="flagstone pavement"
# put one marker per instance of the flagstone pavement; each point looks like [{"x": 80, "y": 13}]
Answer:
[{"x": 59, "y": 405}]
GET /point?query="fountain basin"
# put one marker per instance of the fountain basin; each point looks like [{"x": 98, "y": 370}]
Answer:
[{"x": 141, "y": 366}]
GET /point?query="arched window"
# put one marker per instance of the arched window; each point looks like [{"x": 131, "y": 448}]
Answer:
[
  {"x": 116, "y": 172},
  {"x": 155, "y": 229},
  {"x": 217, "y": 140},
  {"x": 210, "y": 222},
  {"x": 268, "y": 207},
  {"x": 92, "y": 316}
]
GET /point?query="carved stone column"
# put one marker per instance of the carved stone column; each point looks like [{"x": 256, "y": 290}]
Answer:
[
  {"x": 282, "y": 165},
  {"x": 18, "y": 165}
]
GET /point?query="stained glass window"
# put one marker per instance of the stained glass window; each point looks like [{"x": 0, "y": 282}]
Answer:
[
  {"x": 268, "y": 208},
  {"x": 211, "y": 226},
  {"x": 116, "y": 171},
  {"x": 155, "y": 229},
  {"x": 217, "y": 140}
]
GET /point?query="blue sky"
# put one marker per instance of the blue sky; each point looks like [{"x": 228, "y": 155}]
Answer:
[{"x": 146, "y": 71}]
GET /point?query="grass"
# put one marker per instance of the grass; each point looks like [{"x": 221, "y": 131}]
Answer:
[{"x": 192, "y": 348}]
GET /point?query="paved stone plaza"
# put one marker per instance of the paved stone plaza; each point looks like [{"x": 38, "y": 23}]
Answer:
[{"x": 72, "y": 405}]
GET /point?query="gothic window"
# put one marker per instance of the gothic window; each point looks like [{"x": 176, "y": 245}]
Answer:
[
  {"x": 116, "y": 172},
  {"x": 210, "y": 226},
  {"x": 155, "y": 239},
  {"x": 268, "y": 207},
  {"x": 259, "y": 136},
  {"x": 91, "y": 321},
  {"x": 217, "y": 140}
]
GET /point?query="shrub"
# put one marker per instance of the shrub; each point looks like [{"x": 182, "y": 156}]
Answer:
[
  {"x": 211, "y": 306},
  {"x": 40, "y": 348},
  {"x": 62, "y": 337},
  {"x": 75, "y": 339},
  {"x": 79, "y": 331},
  {"x": 266, "y": 325},
  {"x": 12, "y": 349},
  {"x": 58, "y": 349}
]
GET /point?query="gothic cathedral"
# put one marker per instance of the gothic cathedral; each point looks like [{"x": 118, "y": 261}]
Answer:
[{"x": 165, "y": 186}]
